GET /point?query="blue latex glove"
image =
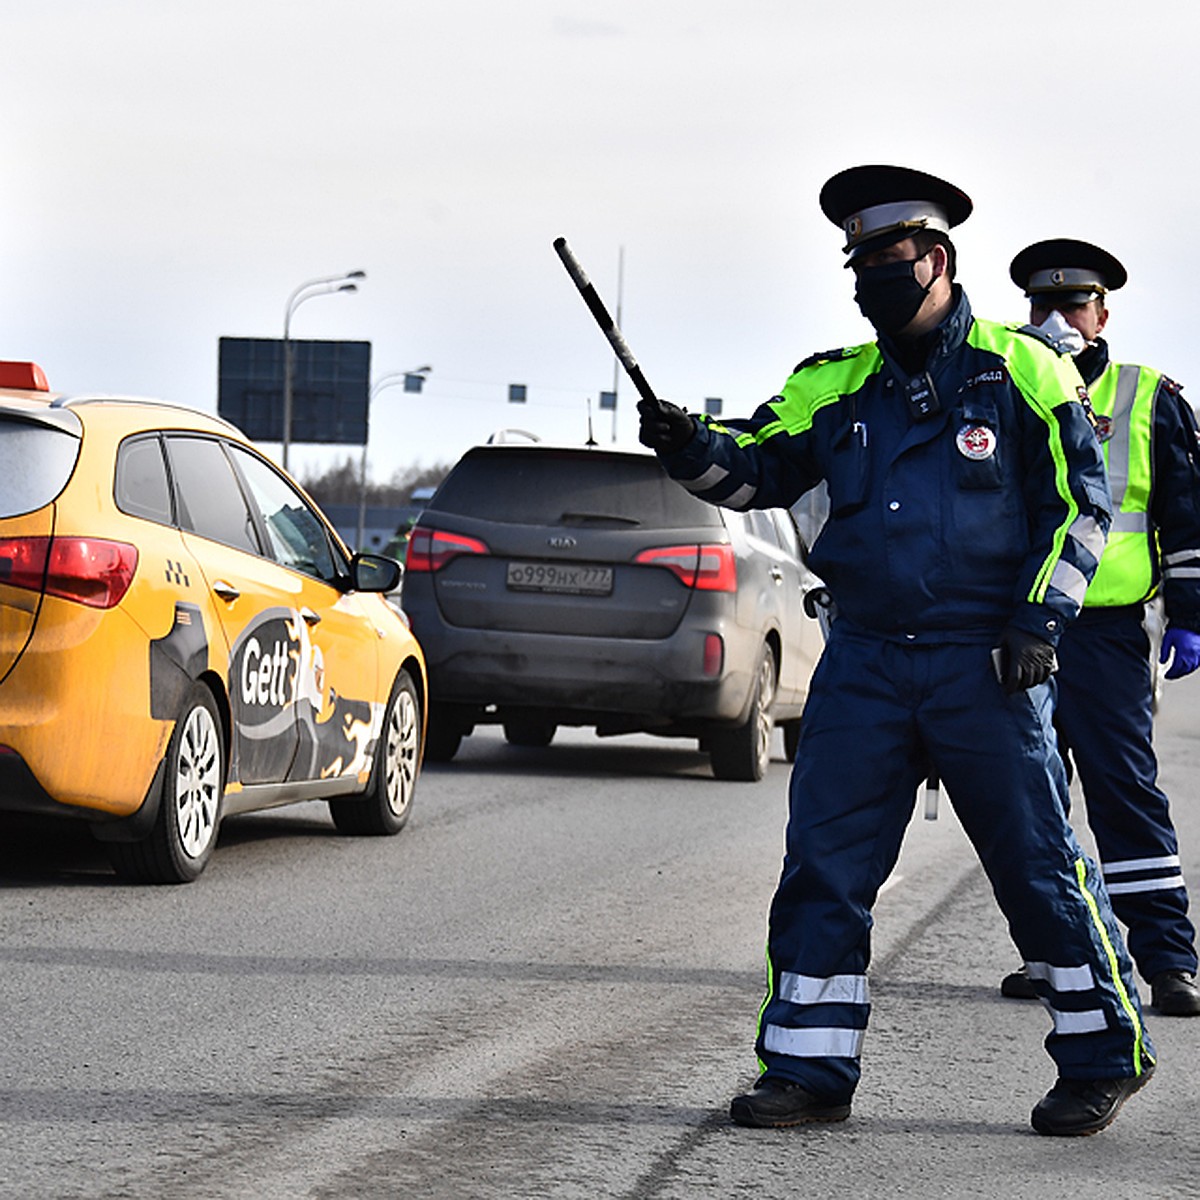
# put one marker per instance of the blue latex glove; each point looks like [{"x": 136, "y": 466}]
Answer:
[{"x": 1186, "y": 647}]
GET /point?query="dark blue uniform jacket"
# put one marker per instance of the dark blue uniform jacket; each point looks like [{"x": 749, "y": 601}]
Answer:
[{"x": 992, "y": 511}]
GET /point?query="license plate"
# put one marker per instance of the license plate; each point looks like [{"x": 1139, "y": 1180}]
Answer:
[{"x": 567, "y": 579}]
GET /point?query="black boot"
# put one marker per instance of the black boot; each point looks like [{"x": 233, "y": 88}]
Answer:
[
  {"x": 1018, "y": 985},
  {"x": 776, "y": 1104},
  {"x": 1175, "y": 994},
  {"x": 1076, "y": 1107}
]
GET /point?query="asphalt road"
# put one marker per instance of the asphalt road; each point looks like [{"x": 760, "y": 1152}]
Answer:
[{"x": 546, "y": 986}]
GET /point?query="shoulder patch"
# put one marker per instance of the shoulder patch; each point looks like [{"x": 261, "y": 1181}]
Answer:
[{"x": 823, "y": 356}]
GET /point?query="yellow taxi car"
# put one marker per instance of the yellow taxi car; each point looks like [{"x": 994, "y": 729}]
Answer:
[{"x": 183, "y": 636}]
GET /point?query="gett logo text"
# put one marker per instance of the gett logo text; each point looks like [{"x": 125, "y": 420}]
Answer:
[{"x": 264, "y": 673}]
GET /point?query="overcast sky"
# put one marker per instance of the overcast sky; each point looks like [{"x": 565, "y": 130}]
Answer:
[{"x": 174, "y": 169}]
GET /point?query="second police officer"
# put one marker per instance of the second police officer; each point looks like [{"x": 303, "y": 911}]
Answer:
[
  {"x": 1105, "y": 681},
  {"x": 968, "y": 509}
]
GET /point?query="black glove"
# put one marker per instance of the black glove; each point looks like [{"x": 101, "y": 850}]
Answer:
[
  {"x": 664, "y": 427},
  {"x": 1025, "y": 660}
]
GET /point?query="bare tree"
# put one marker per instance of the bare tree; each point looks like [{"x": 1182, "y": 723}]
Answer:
[{"x": 339, "y": 484}]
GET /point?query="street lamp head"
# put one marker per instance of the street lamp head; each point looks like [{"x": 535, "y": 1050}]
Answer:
[{"x": 324, "y": 286}]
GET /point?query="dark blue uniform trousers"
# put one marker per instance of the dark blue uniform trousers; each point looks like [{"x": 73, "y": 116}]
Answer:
[
  {"x": 1105, "y": 720},
  {"x": 879, "y": 715}
]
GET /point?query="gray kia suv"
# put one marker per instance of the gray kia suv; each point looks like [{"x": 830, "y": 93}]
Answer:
[{"x": 580, "y": 586}]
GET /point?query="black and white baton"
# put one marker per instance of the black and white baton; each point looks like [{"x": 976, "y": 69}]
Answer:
[{"x": 596, "y": 306}]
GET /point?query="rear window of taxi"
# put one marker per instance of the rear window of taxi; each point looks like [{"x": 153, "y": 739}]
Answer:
[{"x": 37, "y": 456}]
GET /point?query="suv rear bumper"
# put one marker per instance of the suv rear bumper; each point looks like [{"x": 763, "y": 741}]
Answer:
[{"x": 663, "y": 680}]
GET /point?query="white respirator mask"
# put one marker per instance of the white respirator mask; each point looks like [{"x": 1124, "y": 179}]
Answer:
[{"x": 1064, "y": 337}]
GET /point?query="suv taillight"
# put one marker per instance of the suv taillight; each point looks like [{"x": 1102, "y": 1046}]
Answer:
[
  {"x": 432, "y": 549},
  {"x": 708, "y": 568},
  {"x": 89, "y": 571}
]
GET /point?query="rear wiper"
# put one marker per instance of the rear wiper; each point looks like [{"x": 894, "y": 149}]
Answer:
[{"x": 582, "y": 518}]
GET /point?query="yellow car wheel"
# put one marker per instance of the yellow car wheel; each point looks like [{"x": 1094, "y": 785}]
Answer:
[
  {"x": 185, "y": 830},
  {"x": 385, "y": 806}
]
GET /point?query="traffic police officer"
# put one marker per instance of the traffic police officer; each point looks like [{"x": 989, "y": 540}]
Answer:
[
  {"x": 968, "y": 512},
  {"x": 1105, "y": 680}
]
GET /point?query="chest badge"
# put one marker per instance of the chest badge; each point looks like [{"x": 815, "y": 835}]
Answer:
[
  {"x": 1104, "y": 427},
  {"x": 976, "y": 442}
]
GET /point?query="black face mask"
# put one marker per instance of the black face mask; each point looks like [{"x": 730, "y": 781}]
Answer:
[{"x": 889, "y": 296}]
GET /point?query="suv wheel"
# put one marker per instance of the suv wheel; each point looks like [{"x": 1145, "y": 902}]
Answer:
[
  {"x": 529, "y": 731},
  {"x": 741, "y": 754},
  {"x": 443, "y": 735},
  {"x": 791, "y": 739}
]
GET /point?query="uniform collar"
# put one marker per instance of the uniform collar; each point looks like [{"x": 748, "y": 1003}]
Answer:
[{"x": 939, "y": 343}]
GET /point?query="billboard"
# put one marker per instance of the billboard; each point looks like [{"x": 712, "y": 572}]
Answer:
[{"x": 330, "y": 389}]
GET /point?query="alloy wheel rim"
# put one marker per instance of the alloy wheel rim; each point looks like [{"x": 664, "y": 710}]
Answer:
[
  {"x": 401, "y": 753},
  {"x": 766, "y": 698},
  {"x": 198, "y": 782}
]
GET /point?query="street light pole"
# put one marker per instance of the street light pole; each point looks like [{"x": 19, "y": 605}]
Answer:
[
  {"x": 391, "y": 379},
  {"x": 306, "y": 291},
  {"x": 617, "y": 361}
]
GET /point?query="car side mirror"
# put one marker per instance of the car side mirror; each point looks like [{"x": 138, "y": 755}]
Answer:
[{"x": 375, "y": 573}]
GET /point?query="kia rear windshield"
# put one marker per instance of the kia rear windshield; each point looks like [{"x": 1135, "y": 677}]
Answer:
[
  {"x": 36, "y": 460},
  {"x": 550, "y": 487}
]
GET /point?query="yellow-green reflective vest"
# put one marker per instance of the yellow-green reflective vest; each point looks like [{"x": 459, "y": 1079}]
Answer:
[{"x": 1123, "y": 398}]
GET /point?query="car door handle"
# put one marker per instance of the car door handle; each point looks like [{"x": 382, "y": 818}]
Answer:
[
  {"x": 777, "y": 574},
  {"x": 310, "y": 617},
  {"x": 226, "y": 590}
]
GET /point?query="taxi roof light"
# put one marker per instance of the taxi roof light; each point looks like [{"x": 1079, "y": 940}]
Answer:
[{"x": 23, "y": 376}]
